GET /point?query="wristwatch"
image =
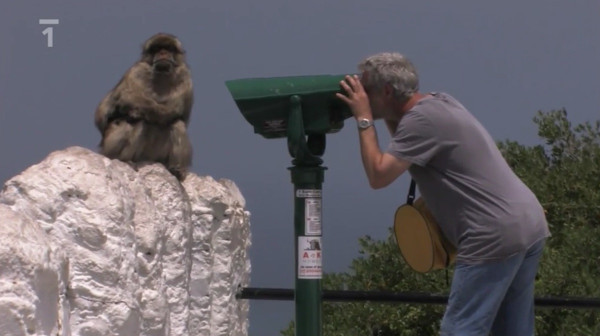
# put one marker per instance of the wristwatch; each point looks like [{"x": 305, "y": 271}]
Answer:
[{"x": 365, "y": 123}]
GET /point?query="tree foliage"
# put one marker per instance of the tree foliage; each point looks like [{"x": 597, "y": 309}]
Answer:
[{"x": 564, "y": 173}]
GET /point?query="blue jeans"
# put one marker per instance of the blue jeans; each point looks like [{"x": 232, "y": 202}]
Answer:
[{"x": 494, "y": 297}]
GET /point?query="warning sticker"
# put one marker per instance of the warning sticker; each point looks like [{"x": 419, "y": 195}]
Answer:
[
  {"x": 308, "y": 193},
  {"x": 312, "y": 216},
  {"x": 309, "y": 258}
]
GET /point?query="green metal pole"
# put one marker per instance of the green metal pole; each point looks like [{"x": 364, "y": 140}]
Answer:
[
  {"x": 308, "y": 232},
  {"x": 307, "y": 177}
]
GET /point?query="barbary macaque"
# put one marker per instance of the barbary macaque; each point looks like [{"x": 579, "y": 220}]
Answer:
[{"x": 144, "y": 118}]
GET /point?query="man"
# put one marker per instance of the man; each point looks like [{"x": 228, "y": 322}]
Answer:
[{"x": 482, "y": 207}]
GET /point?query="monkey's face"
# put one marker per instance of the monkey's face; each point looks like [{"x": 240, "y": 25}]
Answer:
[
  {"x": 163, "y": 61},
  {"x": 163, "y": 52}
]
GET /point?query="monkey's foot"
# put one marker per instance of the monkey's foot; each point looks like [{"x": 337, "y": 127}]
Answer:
[
  {"x": 178, "y": 172},
  {"x": 134, "y": 165}
]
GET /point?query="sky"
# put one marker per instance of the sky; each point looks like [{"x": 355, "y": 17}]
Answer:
[{"x": 504, "y": 60}]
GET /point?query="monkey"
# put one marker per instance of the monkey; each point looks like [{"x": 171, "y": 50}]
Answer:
[{"x": 144, "y": 118}]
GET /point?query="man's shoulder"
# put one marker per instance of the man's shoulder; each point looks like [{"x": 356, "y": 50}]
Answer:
[
  {"x": 440, "y": 107},
  {"x": 413, "y": 119},
  {"x": 436, "y": 99}
]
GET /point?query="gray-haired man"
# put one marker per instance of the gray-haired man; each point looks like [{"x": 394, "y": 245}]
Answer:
[{"x": 483, "y": 208}]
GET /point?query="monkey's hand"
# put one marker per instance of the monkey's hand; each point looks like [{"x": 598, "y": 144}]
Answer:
[
  {"x": 162, "y": 115},
  {"x": 126, "y": 113},
  {"x": 164, "y": 120},
  {"x": 132, "y": 114}
]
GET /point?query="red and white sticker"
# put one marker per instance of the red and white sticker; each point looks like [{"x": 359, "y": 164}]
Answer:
[{"x": 309, "y": 258}]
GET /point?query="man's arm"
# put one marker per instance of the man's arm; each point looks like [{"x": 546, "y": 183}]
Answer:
[{"x": 381, "y": 168}]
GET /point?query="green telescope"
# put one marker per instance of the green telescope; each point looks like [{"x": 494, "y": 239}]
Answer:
[
  {"x": 302, "y": 109},
  {"x": 266, "y": 102}
]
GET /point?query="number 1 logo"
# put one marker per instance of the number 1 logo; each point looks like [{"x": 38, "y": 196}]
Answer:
[{"x": 49, "y": 32}]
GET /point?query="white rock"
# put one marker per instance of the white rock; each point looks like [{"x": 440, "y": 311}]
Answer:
[{"x": 91, "y": 247}]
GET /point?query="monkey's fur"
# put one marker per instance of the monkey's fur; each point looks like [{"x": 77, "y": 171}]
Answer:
[{"x": 145, "y": 116}]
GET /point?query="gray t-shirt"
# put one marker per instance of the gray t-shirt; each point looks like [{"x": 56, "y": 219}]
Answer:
[{"x": 482, "y": 207}]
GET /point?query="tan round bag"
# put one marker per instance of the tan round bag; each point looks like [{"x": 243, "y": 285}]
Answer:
[{"x": 421, "y": 242}]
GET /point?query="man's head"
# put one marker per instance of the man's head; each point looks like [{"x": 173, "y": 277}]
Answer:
[{"x": 388, "y": 74}]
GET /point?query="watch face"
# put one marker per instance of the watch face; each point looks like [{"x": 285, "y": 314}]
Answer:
[{"x": 364, "y": 123}]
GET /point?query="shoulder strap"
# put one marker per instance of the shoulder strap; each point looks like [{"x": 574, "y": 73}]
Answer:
[{"x": 411, "y": 192}]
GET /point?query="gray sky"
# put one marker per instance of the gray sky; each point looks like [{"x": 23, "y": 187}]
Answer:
[{"x": 504, "y": 60}]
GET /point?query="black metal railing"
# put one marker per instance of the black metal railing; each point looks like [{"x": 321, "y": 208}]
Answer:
[{"x": 285, "y": 294}]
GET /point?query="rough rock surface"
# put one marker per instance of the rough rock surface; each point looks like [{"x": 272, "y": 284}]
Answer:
[{"x": 91, "y": 247}]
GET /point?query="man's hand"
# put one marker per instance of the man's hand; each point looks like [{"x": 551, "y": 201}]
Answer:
[{"x": 356, "y": 98}]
